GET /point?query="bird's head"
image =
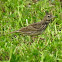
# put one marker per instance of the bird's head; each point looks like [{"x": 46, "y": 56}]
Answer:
[{"x": 48, "y": 17}]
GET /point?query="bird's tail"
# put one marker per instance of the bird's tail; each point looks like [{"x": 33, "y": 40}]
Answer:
[
  {"x": 10, "y": 33},
  {"x": 14, "y": 32}
]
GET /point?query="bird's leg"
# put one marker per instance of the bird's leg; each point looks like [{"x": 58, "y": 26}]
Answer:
[
  {"x": 34, "y": 38},
  {"x": 38, "y": 38},
  {"x": 31, "y": 39},
  {"x": 42, "y": 39}
]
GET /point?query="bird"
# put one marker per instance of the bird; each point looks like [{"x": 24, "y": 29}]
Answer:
[{"x": 36, "y": 28}]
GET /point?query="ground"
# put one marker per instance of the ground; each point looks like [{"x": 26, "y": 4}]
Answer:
[{"x": 15, "y": 14}]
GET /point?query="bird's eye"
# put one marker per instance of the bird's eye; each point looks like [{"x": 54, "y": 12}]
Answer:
[{"x": 48, "y": 15}]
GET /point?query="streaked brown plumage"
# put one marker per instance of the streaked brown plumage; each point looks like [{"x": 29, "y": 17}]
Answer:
[{"x": 36, "y": 28}]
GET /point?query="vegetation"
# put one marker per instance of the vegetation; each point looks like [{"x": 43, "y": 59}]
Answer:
[{"x": 15, "y": 14}]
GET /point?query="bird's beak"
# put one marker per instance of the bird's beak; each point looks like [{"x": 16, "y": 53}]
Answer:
[{"x": 53, "y": 17}]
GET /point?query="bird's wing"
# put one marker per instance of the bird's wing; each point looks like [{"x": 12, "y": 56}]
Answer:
[
  {"x": 39, "y": 26},
  {"x": 36, "y": 25},
  {"x": 32, "y": 27},
  {"x": 27, "y": 29}
]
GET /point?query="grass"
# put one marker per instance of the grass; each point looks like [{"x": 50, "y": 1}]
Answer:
[{"x": 16, "y": 48}]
